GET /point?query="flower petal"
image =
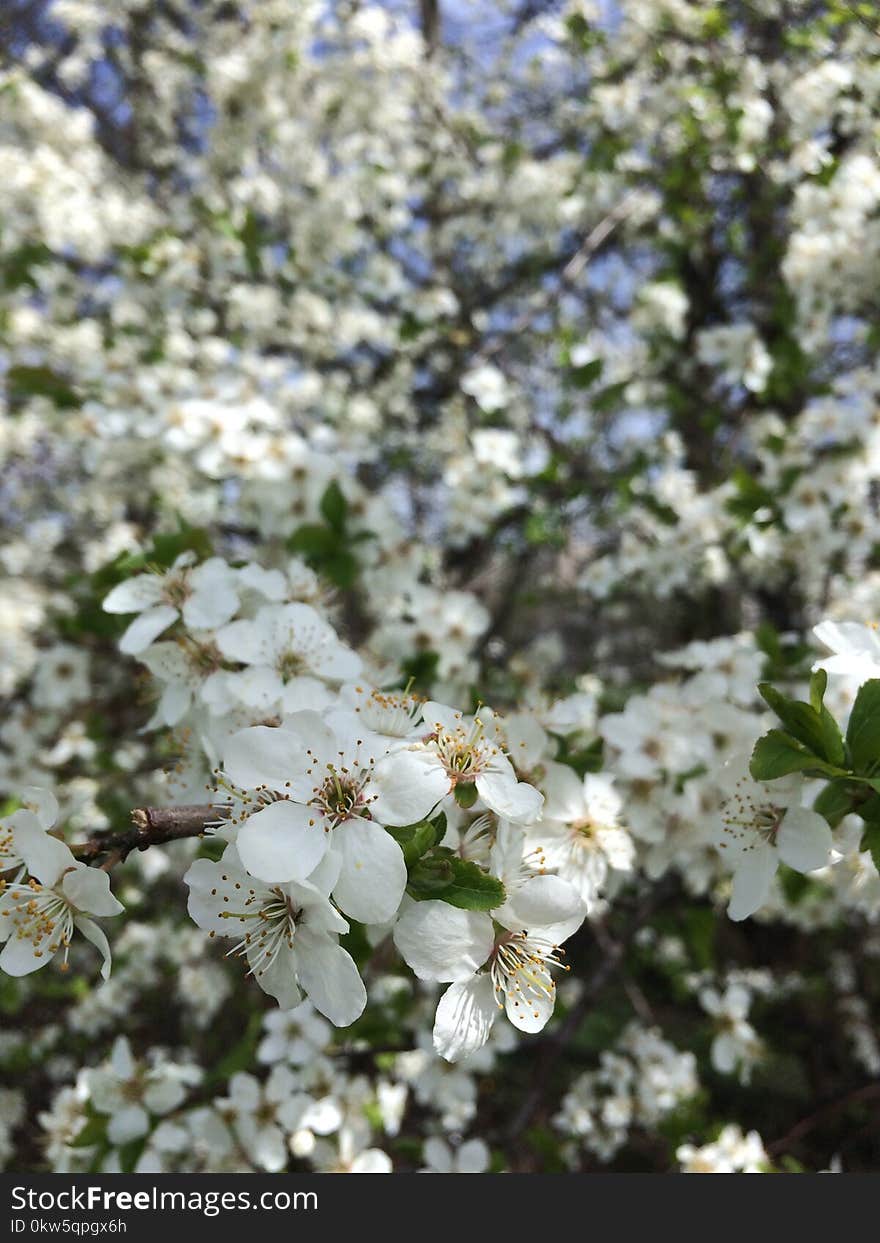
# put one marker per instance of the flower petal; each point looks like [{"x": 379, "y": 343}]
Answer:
[
  {"x": 406, "y": 787},
  {"x": 804, "y": 840},
  {"x": 441, "y": 942},
  {"x": 134, "y": 595},
  {"x": 530, "y": 1011},
  {"x": 547, "y": 903},
  {"x": 507, "y": 797},
  {"x": 328, "y": 974},
  {"x": 564, "y": 791},
  {"x": 45, "y": 857},
  {"x": 754, "y": 873},
  {"x": 42, "y": 803},
  {"x": 127, "y": 1124},
  {"x": 465, "y": 1015},
  {"x": 18, "y": 957},
  {"x": 144, "y": 629},
  {"x": 278, "y": 979},
  {"x": 88, "y": 889},
  {"x": 373, "y": 875},
  {"x": 336, "y": 662},
  {"x": 93, "y": 933},
  {"x": 285, "y": 841},
  {"x": 261, "y": 755}
]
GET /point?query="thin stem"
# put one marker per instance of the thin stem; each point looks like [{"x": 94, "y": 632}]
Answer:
[{"x": 151, "y": 826}]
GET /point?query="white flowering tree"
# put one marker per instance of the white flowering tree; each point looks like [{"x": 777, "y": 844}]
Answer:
[{"x": 440, "y": 473}]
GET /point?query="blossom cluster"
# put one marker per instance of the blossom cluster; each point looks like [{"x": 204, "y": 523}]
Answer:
[{"x": 438, "y": 586}]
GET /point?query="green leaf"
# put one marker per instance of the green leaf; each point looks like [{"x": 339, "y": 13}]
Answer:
[
  {"x": 430, "y": 877},
  {"x": 334, "y": 507},
  {"x": 609, "y": 398},
  {"x": 873, "y": 782},
  {"x": 168, "y": 546},
  {"x": 251, "y": 239},
  {"x": 410, "y": 328},
  {"x": 94, "y": 1132},
  {"x": 466, "y": 795},
  {"x": 129, "y": 1154},
  {"x": 18, "y": 265},
  {"x": 445, "y": 877},
  {"x": 583, "y": 760},
  {"x": 777, "y": 754},
  {"x": 326, "y": 551},
  {"x": 863, "y": 732},
  {"x": 472, "y": 889},
  {"x": 585, "y": 375},
  {"x": 313, "y": 540},
  {"x": 413, "y": 839},
  {"x": 832, "y": 740},
  {"x": 542, "y": 526},
  {"x": 817, "y": 730},
  {"x": 795, "y": 885},
  {"x": 420, "y": 671},
  {"x": 871, "y": 841},
  {"x": 818, "y": 684},
  {"x": 242, "y": 1053},
  {"x": 341, "y": 569},
  {"x": 700, "y": 930},
  {"x": 834, "y": 802},
  {"x": 26, "y": 382}
]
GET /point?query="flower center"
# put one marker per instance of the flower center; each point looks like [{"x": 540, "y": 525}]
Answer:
[
  {"x": 341, "y": 796},
  {"x": 520, "y": 971},
  {"x": 176, "y": 589},
  {"x": 745, "y": 818},
  {"x": 395, "y": 715},
  {"x": 40, "y": 916},
  {"x": 584, "y": 831},
  {"x": 203, "y": 657},
  {"x": 464, "y": 753},
  {"x": 289, "y": 665},
  {"x": 272, "y": 930}
]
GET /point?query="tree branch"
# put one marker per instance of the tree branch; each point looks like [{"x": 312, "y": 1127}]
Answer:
[
  {"x": 429, "y": 13},
  {"x": 153, "y": 826}
]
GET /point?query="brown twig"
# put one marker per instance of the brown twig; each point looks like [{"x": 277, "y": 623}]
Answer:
[
  {"x": 151, "y": 826},
  {"x": 828, "y": 1110}
]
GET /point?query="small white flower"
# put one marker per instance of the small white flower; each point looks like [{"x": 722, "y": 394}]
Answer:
[
  {"x": 510, "y": 970},
  {"x": 296, "y": 1036},
  {"x": 488, "y": 387},
  {"x": 731, "y": 1153},
  {"x": 61, "y": 677},
  {"x": 579, "y": 837},
  {"x": 35, "y": 802},
  {"x": 351, "y": 1154},
  {"x": 188, "y": 669},
  {"x": 471, "y": 1157},
  {"x": 736, "y": 1044},
  {"x": 38, "y": 916},
  {"x": 287, "y": 933},
  {"x": 330, "y": 785},
  {"x": 469, "y": 753},
  {"x": 205, "y": 597},
  {"x": 395, "y": 715},
  {"x": 263, "y": 1115},
  {"x": 131, "y": 1092},
  {"x": 856, "y": 649},
  {"x": 291, "y": 652},
  {"x": 763, "y": 825}
]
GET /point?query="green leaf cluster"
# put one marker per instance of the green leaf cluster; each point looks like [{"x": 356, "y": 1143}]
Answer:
[{"x": 437, "y": 873}]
